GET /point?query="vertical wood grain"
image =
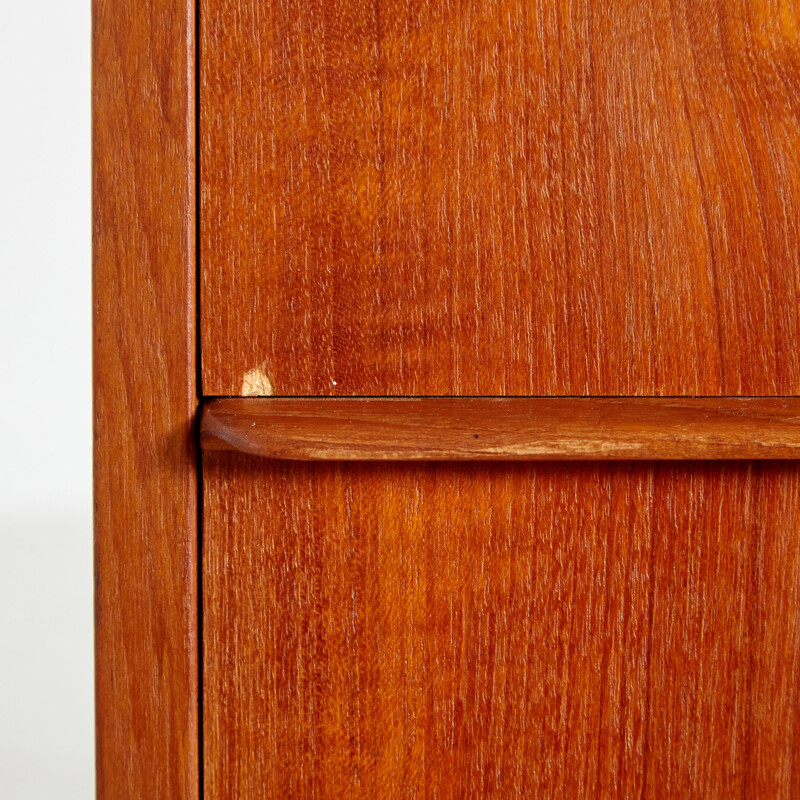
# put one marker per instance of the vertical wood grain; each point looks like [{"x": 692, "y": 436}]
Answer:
[
  {"x": 447, "y": 630},
  {"x": 144, "y": 400},
  {"x": 410, "y": 197}
]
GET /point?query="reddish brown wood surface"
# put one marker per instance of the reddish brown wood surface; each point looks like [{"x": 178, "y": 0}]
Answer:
[
  {"x": 503, "y": 429},
  {"x": 145, "y": 398},
  {"x": 507, "y": 198},
  {"x": 501, "y": 630}
]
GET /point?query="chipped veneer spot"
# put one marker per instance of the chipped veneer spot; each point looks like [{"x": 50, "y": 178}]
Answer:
[{"x": 257, "y": 383}]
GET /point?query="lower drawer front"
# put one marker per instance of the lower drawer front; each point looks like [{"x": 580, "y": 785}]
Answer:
[{"x": 500, "y": 630}]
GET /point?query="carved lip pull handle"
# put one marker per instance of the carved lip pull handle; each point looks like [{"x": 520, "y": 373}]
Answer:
[{"x": 504, "y": 429}]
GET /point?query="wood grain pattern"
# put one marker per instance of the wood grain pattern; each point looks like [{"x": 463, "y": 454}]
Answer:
[
  {"x": 501, "y": 630},
  {"x": 145, "y": 397},
  {"x": 508, "y": 198},
  {"x": 503, "y": 429}
]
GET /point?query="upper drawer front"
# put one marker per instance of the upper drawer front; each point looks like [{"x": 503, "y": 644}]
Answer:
[{"x": 520, "y": 197}]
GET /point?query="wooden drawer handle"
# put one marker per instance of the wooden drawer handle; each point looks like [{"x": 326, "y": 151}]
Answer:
[{"x": 504, "y": 429}]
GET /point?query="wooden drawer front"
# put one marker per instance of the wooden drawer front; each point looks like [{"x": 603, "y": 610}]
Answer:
[
  {"x": 500, "y": 630},
  {"x": 507, "y": 198}
]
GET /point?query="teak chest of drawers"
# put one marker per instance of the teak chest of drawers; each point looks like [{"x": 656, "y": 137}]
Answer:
[{"x": 447, "y": 409}]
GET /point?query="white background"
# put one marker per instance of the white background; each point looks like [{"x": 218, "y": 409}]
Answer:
[{"x": 46, "y": 682}]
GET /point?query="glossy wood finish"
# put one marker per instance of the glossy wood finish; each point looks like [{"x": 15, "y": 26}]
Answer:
[
  {"x": 509, "y": 198},
  {"x": 501, "y": 630},
  {"x": 436, "y": 198},
  {"x": 503, "y": 429},
  {"x": 144, "y": 401}
]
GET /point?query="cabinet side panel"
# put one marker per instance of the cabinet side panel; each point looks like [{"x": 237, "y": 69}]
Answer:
[
  {"x": 507, "y": 630},
  {"x": 144, "y": 400}
]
